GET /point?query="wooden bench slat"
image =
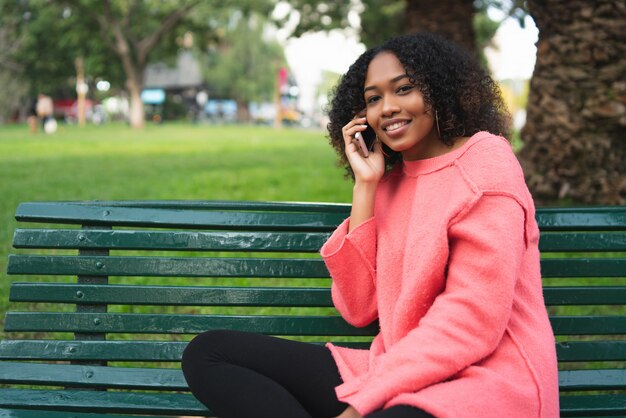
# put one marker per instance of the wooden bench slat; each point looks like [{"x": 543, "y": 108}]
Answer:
[
  {"x": 79, "y": 376},
  {"x": 250, "y": 267},
  {"x": 599, "y": 379},
  {"x": 99, "y": 401},
  {"x": 571, "y": 351},
  {"x": 279, "y": 325},
  {"x": 582, "y": 241},
  {"x": 254, "y": 241},
  {"x": 548, "y": 219},
  {"x": 169, "y": 240},
  {"x": 106, "y": 350},
  {"x": 592, "y": 405},
  {"x": 583, "y": 267},
  {"x": 181, "y": 324},
  {"x": 65, "y": 350},
  {"x": 591, "y": 351},
  {"x": 582, "y": 219},
  {"x": 588, "y": 325},
  {"x": 585, "y": 295},
  {"x": 35, "y": 413},
  {"x": 228, "y": 205},
  {"x": 252, "y": 296},
  {"x": 166, "y": 266},
  {"x": 568, "y": 217},
  {"x": 186, "y": 404},
  {"x": 179, "y": 218},
  {"x": 170, "y": 295},
  {"x": 172, "y": 379}
]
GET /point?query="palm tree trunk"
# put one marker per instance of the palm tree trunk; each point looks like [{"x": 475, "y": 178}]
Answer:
[
  {"x": 450, "y": 18},
  {"x": 575, "y": 135}
]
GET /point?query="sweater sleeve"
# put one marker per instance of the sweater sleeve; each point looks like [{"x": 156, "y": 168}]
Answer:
[
  {"x": 350, "y": 259},
  {"x": 466, "y": 321}
]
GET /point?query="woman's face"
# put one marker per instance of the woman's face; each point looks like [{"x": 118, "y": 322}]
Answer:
[{"x": 397, "y": 112}]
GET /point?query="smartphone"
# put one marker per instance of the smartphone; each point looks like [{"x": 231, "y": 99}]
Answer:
[
  {"x": 369, "y": 136},
  {"x": 365, "y": 138}
]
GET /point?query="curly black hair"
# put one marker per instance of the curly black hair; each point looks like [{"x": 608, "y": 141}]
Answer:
[{"x": 454, "y": 85}]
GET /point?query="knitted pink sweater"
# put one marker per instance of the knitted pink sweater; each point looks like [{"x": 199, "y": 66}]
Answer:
[{"x": 449, "y": 265}]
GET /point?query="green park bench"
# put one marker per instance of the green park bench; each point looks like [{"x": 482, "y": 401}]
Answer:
[{"x": 115, "y": 289}]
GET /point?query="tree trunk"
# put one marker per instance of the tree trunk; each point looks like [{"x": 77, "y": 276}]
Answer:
[
  {"x": 575, "y": 135},
  {"x": 136, "y": 112},
  {"x": 81, "y": 92},
  {"x": 450, "y": 18},
  {"x": 134, "y": 85}
]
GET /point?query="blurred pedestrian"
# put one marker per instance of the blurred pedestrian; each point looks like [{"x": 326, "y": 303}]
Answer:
[
  {"x": 45, "y": 109},
  {"x": 31, "y": 119}
]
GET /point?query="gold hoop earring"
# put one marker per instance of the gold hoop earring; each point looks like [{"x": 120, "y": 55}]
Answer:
[{"x": 437, "y": 123}]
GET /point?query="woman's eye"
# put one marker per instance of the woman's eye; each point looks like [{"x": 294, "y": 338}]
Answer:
[
  {"x": 372, "y": 99},
  {"x": 406, "y": 88}
]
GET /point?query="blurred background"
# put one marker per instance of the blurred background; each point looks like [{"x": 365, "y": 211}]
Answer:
[{"x": 71, "y": 64}]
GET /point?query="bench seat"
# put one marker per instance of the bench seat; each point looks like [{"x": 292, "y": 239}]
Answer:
[{"x": 107, "y": 294}]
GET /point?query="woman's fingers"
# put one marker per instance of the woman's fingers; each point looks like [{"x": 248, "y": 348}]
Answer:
[
  {"x": 354, "y": 126},
  {"x": 353, "y": 137}
]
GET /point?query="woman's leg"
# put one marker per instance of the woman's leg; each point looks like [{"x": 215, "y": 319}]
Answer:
[
  {"x": 400, "y": 411},
  {"x": 242, "y": 375}
]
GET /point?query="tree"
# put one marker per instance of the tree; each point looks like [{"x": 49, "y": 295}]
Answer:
[
  {"x": 382, "y": 19},
  {"x": 245, "y": 64},
  {"x": 451, "y": 18},
  {"x": 11, "y": 41},
  {"x": 58, "y": 35},
  {"x": 575, "y": 134},
  {"x": 132, "y": 30}
]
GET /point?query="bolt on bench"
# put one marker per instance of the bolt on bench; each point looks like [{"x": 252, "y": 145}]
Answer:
[{"x": 115, "y": 289}]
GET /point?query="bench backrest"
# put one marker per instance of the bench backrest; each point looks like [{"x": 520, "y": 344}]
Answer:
[{"x": 149, "y": 275}]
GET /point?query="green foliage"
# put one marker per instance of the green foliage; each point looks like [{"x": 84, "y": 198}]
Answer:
[
  {"x": 244, "y": 66},
  {"x": 381, "y": 20},
  {"x": 517, "y": 9},
  {"x": 315, "y": 16},
  {"x": 52, "y": 37},
  {"x": 485, "y": 29}
]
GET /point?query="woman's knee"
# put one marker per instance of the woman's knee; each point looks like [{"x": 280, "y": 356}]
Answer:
[{"x": 207, "y": 346}]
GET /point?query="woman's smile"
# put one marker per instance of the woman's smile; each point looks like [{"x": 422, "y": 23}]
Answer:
[{"x": 393, "y": 125}]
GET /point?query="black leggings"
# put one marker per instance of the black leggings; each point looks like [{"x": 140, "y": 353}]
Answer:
[{"x": 243, "y": 375}]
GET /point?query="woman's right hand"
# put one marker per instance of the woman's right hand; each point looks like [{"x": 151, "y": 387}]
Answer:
[
  {"x": 367, "y": 172},
  {"x": 368, "y": 169}
]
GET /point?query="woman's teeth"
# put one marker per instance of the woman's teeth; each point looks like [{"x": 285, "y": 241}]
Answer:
[{"x": 395, "y": 126}]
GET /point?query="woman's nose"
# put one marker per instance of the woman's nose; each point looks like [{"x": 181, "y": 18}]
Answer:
[{"x": 389, "y": 107}]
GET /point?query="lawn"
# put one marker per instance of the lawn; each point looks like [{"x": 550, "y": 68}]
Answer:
[{"x": 170, "y": 161}]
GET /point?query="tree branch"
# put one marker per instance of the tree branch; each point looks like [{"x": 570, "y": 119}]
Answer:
[{"x": 149, "y": 42}]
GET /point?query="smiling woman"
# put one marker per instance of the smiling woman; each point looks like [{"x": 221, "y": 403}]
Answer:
[
  {"x": 456, "y": 93},
  {"x": 441, "y": 248}
]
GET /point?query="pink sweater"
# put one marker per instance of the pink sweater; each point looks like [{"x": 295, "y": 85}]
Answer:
[{"x": 449, "y": 265}]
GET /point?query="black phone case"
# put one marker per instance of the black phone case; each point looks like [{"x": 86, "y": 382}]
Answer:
[{"x": 369, "y": 136}]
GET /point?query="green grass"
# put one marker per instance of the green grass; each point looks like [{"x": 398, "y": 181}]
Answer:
[{"x": 177, "y": 161}]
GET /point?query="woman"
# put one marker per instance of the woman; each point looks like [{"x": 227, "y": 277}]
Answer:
[{"x": 441, "y": 248}]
